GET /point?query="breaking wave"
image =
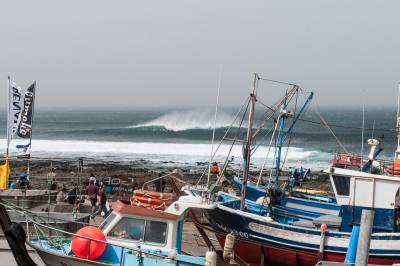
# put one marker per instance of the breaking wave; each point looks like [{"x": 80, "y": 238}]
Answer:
[
  {"x": 183, "y": 153},
  {"x": 191, "y": 119}
]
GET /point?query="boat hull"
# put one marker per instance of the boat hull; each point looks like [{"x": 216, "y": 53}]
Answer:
[
  {"x": 56, "y": 257},
  {"x": 253, "y": 253},
  {"x": 53, "y": 259},
  {"x": 259, "y": 242}
]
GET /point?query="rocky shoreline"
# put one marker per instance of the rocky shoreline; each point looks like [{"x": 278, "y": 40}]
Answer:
[{"x": 134, "y": 173}]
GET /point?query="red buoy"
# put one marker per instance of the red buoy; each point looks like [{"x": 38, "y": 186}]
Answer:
[
  {"x": 324, "y": 228},
  {"x": 80, "y": 245}
]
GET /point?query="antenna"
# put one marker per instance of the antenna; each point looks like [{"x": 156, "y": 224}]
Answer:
[
  {"x": 373, "y": 130},
  {"x": 362, "y": 130},
  {"x": 215, "y": 124},
  {"x": 398, "y": 124}
]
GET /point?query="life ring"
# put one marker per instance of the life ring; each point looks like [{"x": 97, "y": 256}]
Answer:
[
  {"x": 151, "y": 200},
  {"x": 152, "y": 194},
  {"x": 161, "y": 207},
  {"x": 392, "y": 171}
]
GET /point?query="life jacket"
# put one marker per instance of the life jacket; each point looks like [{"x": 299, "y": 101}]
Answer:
[
  {"x": 394, "y": 169},
  {"x": 215, "y": 169}
]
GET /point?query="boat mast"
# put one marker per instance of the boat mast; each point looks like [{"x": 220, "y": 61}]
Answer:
[
  {"x": 248, "y": 141},
  {"x": 397, "y": 154},
  {"x": 282, "y": 134},
  {"x": 280, "y": 142}
]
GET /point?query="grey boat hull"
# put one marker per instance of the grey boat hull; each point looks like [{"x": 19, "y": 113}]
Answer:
[{"x": 53, "y": 259}]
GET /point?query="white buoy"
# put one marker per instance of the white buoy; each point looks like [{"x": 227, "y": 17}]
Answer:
[
  {"x": 172, "y": 254},
  {"x": 211, "y": 258},
  {"x": 228, "y": 247}
]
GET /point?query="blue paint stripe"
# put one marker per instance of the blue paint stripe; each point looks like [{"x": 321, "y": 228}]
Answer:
[
  {"x": 311, "y": 203},
  {"x": 179, "y": 237}
]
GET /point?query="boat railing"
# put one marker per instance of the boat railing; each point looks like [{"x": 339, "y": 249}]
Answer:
[
  {"x": 154, "y": 180},
  {"x": 38, "y": 228},
  {"x": 384, "y": 164},
  {"x": 42, "y": 216},
  {"x": 169, "y": 175}
]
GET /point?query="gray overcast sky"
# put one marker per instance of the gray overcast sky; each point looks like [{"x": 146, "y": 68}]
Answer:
[{"x": 95, "y": 53}]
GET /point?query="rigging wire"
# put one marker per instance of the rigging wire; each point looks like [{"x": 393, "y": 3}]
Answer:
[
  {"x": 246, "y": 103},
  {"x": 269, "y": 149},
  {"x": 277, "y": 81},
  {"x": 266, "y": 106},
  {"x": 232, "y": 145},
  {"x": 261, "y": 141},
  {"x": 345, "y": 126},
  {"x": 313, "y": 105},
  {"x": 276, "y": 106}
]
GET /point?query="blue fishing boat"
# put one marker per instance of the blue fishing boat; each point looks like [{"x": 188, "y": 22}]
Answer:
[
  {"x": 133, "y": 236},
  {"x": 305, "y": 201},
  {"x": 273, "y": 236},
  {"x": 285, "y": 122}
]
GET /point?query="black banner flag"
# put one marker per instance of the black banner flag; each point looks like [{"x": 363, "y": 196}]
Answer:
[{"x": 25, "y": 125}]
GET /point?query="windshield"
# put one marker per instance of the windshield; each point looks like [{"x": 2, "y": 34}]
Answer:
[
  {"x": 140, "y": 230},
  {"x": 107, "y": 221}
]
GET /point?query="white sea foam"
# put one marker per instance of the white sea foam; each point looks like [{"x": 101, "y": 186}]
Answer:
[
  {"x": 183, "y": 153},
  {"x": 191, "y": 119}
]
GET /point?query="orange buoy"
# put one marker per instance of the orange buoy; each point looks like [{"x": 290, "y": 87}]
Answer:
[{"x": 80, "y": 245}]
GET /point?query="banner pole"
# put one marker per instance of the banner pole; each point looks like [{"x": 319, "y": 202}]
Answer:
[
  {"x": 30, "y": 138},
  {"x": 8, "y": 117}
]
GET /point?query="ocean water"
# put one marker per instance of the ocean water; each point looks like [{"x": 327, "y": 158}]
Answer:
[{"x": 183, "y": 136}]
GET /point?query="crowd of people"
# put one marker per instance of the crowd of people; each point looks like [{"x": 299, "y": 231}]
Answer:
[{"x": 92, "y": 190}]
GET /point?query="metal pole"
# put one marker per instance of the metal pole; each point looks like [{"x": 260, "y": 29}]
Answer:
[
  {"x": 367, "y": 221},
  {"x": 30, "y": 137},
  {"x": 248, "y": 142},
  {"x": 362, "y": 134},
  {"x": 397, "y": 154},
  {"x": 8, "y": 116}
]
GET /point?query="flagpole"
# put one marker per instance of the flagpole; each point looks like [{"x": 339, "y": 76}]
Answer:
[
  {"x": 8, "y": 116},
  {"x": 30, "y": 138}
]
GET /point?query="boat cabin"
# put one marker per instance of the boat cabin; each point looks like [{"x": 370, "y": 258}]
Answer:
[
  {"x": 133, "y": 227},
  {"x": 356, "y": 190},
  {"x": 134, "y": 236}
]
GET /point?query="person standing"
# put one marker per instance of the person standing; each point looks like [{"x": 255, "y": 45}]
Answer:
[
  {"x": 61, "y": 196},
  {"x": 94, "y": 179},
  {"x": 103, "y": 203},
  {"x": 92, "y": 191}
]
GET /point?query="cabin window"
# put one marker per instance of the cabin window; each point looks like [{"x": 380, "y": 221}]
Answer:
[
  {"x": 107, "y": 221},
  {"x": 155, "y": 232},
  {"x": 129, "y": 228},
  {"x": 342, "y": 184},
  {"x": 141, "y": 230}
]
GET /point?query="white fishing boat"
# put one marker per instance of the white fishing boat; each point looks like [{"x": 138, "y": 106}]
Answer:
[{"x": 132, "y": 235}]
